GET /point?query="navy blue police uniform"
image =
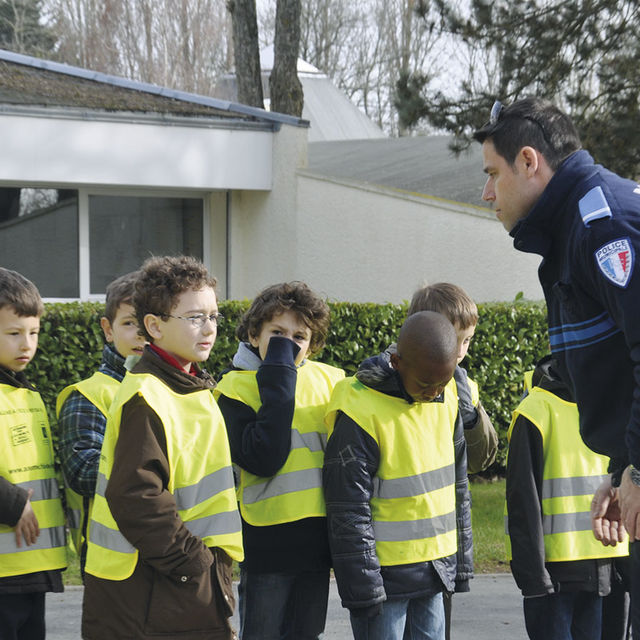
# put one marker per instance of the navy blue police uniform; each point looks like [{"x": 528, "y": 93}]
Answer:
[{"x": 586, "y": 226}]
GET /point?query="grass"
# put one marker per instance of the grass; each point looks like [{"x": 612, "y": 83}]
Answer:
[
  {"x": 488, "y": 532},
  {"x": 72, "y": 575},
  {"x": 488, "y": 527}
]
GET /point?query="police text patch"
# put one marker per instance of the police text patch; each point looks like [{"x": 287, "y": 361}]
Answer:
[{"x": 615, "y": 260}]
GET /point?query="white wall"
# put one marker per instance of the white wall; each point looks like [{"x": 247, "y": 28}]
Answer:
[
  {"x": 118, "y": 151},
  {"x": 263, "y": 228},
  {"x": 369, "y": 244}
]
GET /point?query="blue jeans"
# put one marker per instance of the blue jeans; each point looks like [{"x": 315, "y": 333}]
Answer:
[
  {"x": 407, "y": 619},
  {"x": 569, "y": 615},
  {"x": 279, "y": 606}
]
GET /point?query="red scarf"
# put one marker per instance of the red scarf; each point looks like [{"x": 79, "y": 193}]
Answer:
[{"x": 171, "y": 360}]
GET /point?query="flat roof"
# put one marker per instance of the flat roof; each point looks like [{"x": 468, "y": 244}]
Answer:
[{"x": 25, "y": 80}]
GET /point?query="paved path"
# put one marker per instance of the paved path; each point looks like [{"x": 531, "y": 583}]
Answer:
[{"x": 491, "y": 611}]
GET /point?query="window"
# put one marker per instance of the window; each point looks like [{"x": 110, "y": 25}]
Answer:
[
  {"x": 125, "y": 230},
  {"x": 72, "y": 243},
  {"x": 39, "y": 238}
]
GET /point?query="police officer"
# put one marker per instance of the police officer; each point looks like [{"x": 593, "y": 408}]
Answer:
[{"x": 584, "y": 221}]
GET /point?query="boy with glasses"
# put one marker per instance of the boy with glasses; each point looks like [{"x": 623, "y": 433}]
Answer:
[{"x": 164, "y": 526}]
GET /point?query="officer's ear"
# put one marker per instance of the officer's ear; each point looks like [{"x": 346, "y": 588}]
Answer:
[{"x": 530, "y": 160}]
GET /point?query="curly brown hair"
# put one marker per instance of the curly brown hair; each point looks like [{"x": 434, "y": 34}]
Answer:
[
  {"x": 161, "y": 280},
  {"x": 20, "y": 294},
  {"x": 287, "y": 296}
]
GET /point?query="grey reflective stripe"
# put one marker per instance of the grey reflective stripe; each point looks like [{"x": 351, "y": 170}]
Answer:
[
  {"x": 564, "y": 522},
  {"x": 101, "y": 485},
  {"x": 414, "y": 485},
  {"x": 313, "y": 440},
  {"x": 578, "y": 486},
  {"x": 414, "y": 529},
  {"x": 216, "y": 525},
  {"x": 74, "y": 517},
  {"x": 46, "y": 489},
  {"x": 188, "y": 497},
  {"x": 48, "y": 539},
  {"x": 109, "y": 538},
  {"x": 506, "y": 525},
  {"x": 282, "y": 484}
]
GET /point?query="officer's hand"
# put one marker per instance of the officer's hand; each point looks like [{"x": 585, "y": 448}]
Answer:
[
  {"x": 606, "y": 520},
  {"x": 27, "y": 527},
  {"x": 629, "y": 495}
]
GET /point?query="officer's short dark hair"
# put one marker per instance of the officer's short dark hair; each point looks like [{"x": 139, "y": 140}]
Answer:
[
  {"x": 531, "y": 122},
  {"x": 21, "y": 294}
]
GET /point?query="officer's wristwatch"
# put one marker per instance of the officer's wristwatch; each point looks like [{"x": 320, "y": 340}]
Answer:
[{"x": 634, "y": 474}]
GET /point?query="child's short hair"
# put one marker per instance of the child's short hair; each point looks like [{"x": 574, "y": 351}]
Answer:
[
  {"x": 161, "y": 280},
  {"x": 448, "y": 299},
  {"x": 287, "y": 296},
  {"x": 120, "y": 291},
  {"x": 20, "y": 294}
]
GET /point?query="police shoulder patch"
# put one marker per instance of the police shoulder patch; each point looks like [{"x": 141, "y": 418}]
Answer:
[
  {"x": 616, "y": 260},
  {"x": 593, "y": 205}
]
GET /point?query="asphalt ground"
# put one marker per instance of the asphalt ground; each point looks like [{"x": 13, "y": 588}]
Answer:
[{"x": 492, "y": 610}]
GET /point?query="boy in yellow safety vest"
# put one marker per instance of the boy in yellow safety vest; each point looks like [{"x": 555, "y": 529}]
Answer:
[
  {"x": 560, "y": 567},
  {"x": 32, "y": 528},
  {"x": 164, "y": 526},
  {"x": 396, "y": 487},
  {"x": 462, "y": 312},
  {"x": 82, "y": 408},
  {"x": 482, "y": 440},
  {"x": 273, "y": 401}
]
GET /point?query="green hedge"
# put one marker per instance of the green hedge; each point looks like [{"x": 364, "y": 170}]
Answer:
[{"x": 509, "y": 339}]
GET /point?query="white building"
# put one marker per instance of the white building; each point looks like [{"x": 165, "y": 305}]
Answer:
[{"x": 97, "y": 173}]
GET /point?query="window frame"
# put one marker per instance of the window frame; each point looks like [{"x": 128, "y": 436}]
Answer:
[{"x": 84, "y": 257}]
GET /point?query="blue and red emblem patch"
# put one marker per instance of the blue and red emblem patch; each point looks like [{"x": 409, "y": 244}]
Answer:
[{"x": 615, "y": 260}]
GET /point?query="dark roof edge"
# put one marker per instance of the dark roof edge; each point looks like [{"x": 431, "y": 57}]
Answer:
[{"x": 125, "y": 83}]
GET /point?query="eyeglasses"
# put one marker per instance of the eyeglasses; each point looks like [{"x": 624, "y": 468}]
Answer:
[
  {"x": 497, "y": 111},
  {"x": 198, "y": 320}
]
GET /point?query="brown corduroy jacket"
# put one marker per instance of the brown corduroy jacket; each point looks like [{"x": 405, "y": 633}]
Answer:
[{"x": 180, "y": 588}]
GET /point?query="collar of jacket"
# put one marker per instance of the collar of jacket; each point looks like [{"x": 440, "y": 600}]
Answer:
[
  {"x": 535, "y": 232},
  {"x": 247, "y": 358},
  {"x": 177, "y": 379},
  {"x": 112, "y": 363},
  {"x": 378, "y": 374},
  {"x": 14, "y": 379}
]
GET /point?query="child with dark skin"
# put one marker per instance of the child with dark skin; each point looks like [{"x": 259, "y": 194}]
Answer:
[{"x": 396, "y": 486}]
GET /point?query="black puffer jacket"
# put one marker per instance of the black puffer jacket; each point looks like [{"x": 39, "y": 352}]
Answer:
[{"x": 351, "y": 462}]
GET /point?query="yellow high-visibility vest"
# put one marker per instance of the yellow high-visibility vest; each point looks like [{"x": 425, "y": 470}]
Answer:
[
  {"x": 201, "y": 478},
  {"x": 414, "y": 503},
  {"x": 571, "y": 474},
  {"x": 295, "y": 492},
  {"x": 27, "y": 461},
  {"x": 100, "y": 389},
  {"x": 475, "y": 393}
]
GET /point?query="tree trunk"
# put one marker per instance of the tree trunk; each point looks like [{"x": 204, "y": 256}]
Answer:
[
  {"x": 284, "y": 85},
  {"x": 246, "y": 51}
]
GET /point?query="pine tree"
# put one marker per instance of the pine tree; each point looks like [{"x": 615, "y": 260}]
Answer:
[
  {"x": 21, "y": 30},
  {"x": 581, "y": 54}
]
